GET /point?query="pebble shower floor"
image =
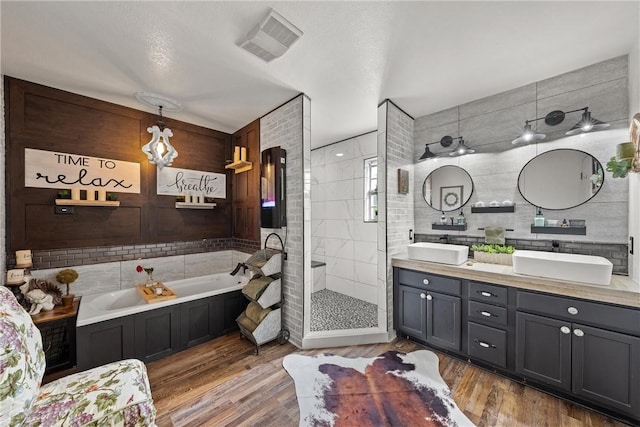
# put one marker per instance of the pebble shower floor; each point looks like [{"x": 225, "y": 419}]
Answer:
[{"x": 332, "y": 310}]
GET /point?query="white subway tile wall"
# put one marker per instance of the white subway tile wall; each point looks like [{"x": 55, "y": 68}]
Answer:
[{"x": 337, "y": 201}]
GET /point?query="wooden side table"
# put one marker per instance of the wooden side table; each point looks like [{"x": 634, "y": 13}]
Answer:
[{"x": 58, "y": 330}]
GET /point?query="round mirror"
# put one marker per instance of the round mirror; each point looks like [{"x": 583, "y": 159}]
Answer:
[
  {"x": 560, "y": 179},
  {"x": 447, "y": 188}
]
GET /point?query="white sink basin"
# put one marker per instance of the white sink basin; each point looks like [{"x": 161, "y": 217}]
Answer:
[
  {"x": 438, "y": 252},
  {"x": 589, "y": 269}
]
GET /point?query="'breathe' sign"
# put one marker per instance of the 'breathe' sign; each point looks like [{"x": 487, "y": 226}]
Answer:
[{"x": 177, "y": 182}]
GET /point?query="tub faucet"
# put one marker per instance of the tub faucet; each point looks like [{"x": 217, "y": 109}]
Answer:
[
  {"x": 445, "y": 239},
  {"x": 238, "y": 267}
]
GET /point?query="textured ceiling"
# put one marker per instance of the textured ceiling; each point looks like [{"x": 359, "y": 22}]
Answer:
[{"x": 425, "y": 56}]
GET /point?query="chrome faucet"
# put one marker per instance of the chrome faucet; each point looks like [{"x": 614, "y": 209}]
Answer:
[{"x": 445, "y": 239}]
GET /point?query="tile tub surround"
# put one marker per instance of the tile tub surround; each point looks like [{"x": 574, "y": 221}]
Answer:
[
  {"x": 617, "y": 253},
  {"x": 114, "y": 276},
  {"x": 61, "y": 258},
  {"x": 622, "y": 290}
]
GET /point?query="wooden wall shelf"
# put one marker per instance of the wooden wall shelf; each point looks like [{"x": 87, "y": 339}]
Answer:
[
  {"x": 186, "y": 205},
  {"x": 454, "y": 227},
  {"x": 69, "y": 202},
  {"x": 493, "y": 209},
  {"x": 240, "y": 166},
  {"x": 578, "y": 231}
]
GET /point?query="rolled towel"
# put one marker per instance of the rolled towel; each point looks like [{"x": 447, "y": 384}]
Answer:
[
  {"x": 256, "y": 287},
  {"x": 256, "y": 313},
  {"x": 494, "y": 235}
]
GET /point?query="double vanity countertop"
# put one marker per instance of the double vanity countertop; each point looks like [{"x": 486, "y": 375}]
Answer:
[{"x": 622, "y": 290}]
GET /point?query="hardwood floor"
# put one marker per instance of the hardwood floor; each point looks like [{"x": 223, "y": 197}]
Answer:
[{"x": 223, "y": 383}]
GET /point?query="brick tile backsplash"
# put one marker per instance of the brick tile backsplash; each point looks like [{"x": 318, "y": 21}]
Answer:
[
  {"x": 617, "y": 253},
  {"x": 60, "y": 258}
]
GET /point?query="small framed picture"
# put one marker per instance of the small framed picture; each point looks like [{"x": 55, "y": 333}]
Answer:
[
  {"x": 451, "y": 197},
  {"x": 403, "y": 181}
]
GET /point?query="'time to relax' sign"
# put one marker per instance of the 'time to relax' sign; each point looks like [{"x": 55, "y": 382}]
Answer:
[{"x": 51, "y": 169}]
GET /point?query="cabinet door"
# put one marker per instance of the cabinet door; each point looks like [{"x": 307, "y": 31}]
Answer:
[
  {"x": 201, "y": 321},
  {"x": 606, "y": 368},
  {"x": 444, "y": 320},
  {"x": 157, "y": 333},
  {"x": 412, "y": 312},
  {"x": 234, "y": 304},
  {"x": 543, "y": 349},
  {"x": 105, "y": 342}
]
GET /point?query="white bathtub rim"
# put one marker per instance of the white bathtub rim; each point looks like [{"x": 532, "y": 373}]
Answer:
[{"x": 88, "y": 314}]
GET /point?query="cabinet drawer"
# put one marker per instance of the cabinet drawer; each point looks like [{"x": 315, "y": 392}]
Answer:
[
  {"x": 492, "y": 294},
  {"x": 609, "y": 316},
  {"x": 431, "y": 282},
  {"x": 487, "y": 313},
  {"x": 488, "y": 344}
]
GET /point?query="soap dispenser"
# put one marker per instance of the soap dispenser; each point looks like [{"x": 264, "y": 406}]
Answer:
[
  {"x": 461, "y": 218},
  {"x": 538, "y": 221}
]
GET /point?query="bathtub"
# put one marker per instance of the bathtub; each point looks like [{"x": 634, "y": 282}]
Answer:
[{"x": 111, "y": 305}]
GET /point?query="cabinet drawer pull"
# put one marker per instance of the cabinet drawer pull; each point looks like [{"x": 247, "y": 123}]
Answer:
[
  {"x": 425, "y": 281},
  {"x": 423, "y": 295},
  {"x": 578, "y": 332},
  {"x": 484, "y": 344},
  {"x": 486, "y": 314},
  {"x": 565, "y": 330},
  {"x": 429, "y": 297},
  {"x": 485, "y": 293},
  {"x": 572, "y": 310}
]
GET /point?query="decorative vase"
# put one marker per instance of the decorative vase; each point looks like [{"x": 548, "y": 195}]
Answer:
[
  {"x": 67, "y": 300},
  {"x": 625, "y": 151},
  {"x": 150, "y": 282}
]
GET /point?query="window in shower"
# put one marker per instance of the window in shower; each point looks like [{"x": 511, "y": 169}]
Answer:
[{"x": 371, "y": 189}]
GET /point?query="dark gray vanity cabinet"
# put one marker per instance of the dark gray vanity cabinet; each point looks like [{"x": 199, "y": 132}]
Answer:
[
  {"x": 444, "y": 320},
  {"x": 412, "y": 312},
  {"x": 429, "y": 308},
  {"x": 594, "y": 361}
]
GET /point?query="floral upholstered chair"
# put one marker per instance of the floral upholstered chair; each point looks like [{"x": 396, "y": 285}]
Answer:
[{"x": 116, "y": 394}]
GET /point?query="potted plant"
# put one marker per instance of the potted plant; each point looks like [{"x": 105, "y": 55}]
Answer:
[
  {"x": 621, "y": 163},
  {"x": 67, "y": 276},
  {"x": 493, "y": 254}
]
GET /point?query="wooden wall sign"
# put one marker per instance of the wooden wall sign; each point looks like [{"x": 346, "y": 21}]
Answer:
[
  {"x": 52, "y": 169},
  {"x": 176, "y": 182}
]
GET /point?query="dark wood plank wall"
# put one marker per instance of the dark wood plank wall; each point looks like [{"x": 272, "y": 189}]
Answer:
[
  {"x": 246, "y": 185},
  {"x": 44, "y": 118}
]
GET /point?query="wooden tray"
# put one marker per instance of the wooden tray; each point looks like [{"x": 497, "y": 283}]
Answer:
[{"x": 148, "y": 294}]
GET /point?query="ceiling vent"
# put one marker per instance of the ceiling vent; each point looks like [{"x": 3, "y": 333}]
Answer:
[{"x": 272, "y": 37}]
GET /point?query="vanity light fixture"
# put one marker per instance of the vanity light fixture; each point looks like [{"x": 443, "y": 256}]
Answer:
[
  {"x": 159, "y": 150},
  {"x": 586, "y": 124},
  {"x": 461, "y": 149},
  {"x": 445, "y": 141}
]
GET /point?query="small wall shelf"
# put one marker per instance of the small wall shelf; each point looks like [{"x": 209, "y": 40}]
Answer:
[
  {"x": 240, "y": 166},
  {"x": 69, "y": 202},
  {"x": 578, "y": 231},
  {"x": 187, "y": 205},
  {"x": 454, "y": 227},
  {"x": 493, "y": 209}
]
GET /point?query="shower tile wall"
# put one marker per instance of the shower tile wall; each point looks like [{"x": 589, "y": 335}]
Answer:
[{"x": 340, "y": 237}]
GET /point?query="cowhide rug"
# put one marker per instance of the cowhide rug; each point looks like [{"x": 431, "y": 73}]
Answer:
[{"x": 393, "y": 389}]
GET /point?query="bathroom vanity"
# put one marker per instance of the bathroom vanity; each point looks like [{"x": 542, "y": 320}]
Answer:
[{"x": 579, "y": 342}]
